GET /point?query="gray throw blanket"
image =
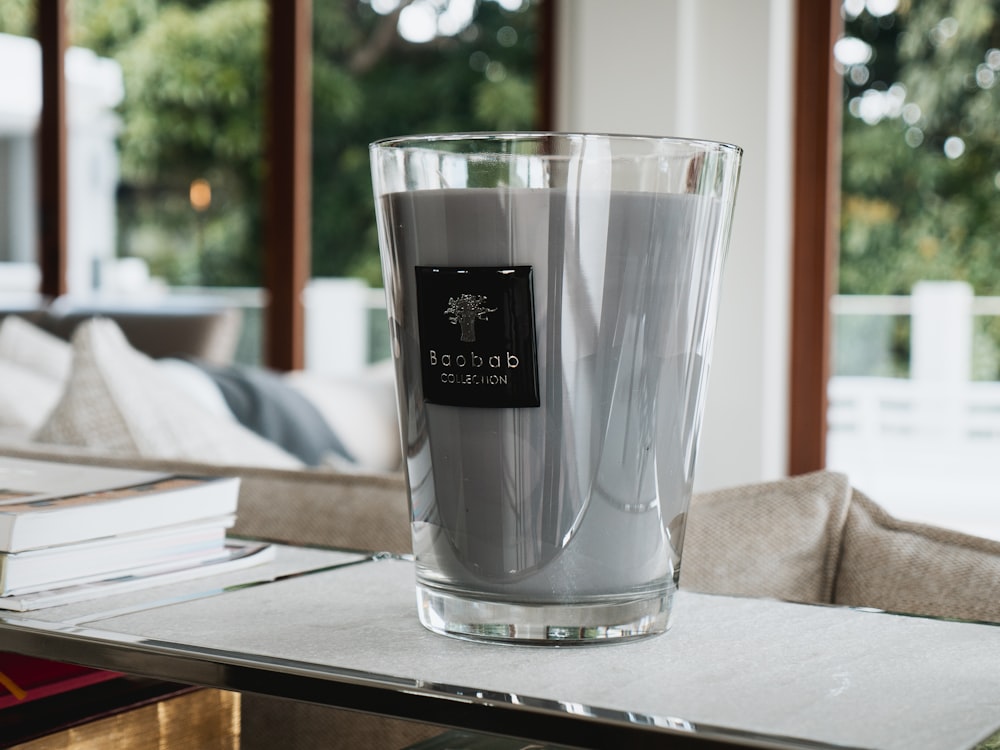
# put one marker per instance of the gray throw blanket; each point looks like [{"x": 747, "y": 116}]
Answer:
[{"x": 264, "y": 403}]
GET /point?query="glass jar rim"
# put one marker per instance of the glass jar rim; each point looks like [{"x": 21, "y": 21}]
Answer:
[{"x": 429, "y": 140}]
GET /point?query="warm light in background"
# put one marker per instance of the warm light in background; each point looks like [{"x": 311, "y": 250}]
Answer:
[{"x": 200, "y": 194}]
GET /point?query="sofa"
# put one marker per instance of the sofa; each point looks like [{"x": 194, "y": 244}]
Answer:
[
  {"x": 811, "y": 538},
  {"x": 141, "y": 384}
]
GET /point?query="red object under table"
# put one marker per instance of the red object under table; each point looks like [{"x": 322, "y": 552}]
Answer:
[{"x": 40, "y": 678}]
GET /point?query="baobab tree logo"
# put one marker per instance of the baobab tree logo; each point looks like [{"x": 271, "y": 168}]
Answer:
[{"x": 464, "y": 310}]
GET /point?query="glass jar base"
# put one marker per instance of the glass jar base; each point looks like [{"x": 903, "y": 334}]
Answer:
[{"x": 599, "y": 621}]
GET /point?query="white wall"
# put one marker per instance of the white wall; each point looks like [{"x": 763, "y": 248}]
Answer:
[{"x": 720, "y": 70}]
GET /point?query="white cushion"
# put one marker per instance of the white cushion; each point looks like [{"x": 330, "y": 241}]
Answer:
[
  {"x": 196, "y": 383},
  {"x": 26, "y": 398},
  {"x": 28, "y": 345},
  {"x": 119, "y": 401},
  {"x": 361, "y": 412}
]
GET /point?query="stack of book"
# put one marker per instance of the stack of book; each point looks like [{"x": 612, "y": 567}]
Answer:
[{"x": 64, "y": 527}]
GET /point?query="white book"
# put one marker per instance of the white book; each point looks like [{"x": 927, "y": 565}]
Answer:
[
  {"x": 110, "y": 557},
  {"x": 47, "y": 503}
]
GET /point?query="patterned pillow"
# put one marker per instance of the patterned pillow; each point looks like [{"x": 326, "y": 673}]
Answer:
[{"x": 119, "y": 401}]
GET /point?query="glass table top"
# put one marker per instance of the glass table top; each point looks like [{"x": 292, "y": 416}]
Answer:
[{"x": 340, "y": 628}]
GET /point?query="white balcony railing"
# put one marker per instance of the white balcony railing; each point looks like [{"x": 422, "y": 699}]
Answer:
[{"x": 926, "y": 447}]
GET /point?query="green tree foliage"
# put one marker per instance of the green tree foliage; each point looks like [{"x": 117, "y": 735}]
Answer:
[
  {"x": 194, "y": 82},
  {"x": 17, "y": 17},
  {"x": 921, "y": 139},
  {"x": 370, "y": 83},
  {"x": 107, "y": 25}
]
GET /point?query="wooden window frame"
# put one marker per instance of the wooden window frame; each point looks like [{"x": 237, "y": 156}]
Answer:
[
  {"x": 288, "y": 189},
  {"x": 52, "y": 150},
  {"x": 815, "y": 229}
]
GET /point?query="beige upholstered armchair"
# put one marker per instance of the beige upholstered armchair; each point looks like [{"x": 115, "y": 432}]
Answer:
[{"x": 815, "y": 539}]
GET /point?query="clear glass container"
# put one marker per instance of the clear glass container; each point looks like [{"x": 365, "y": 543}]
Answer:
[{"x": 552, "y": 299}]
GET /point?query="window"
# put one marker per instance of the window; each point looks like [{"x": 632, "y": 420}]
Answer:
[
  {"x": 914, "y": 405},
  {"x": 383, "y": 68},
  {"x": 192, "y": 198}
]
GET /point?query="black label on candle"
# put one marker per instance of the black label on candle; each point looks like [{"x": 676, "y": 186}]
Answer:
[{"x": 477, "y": 336}]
